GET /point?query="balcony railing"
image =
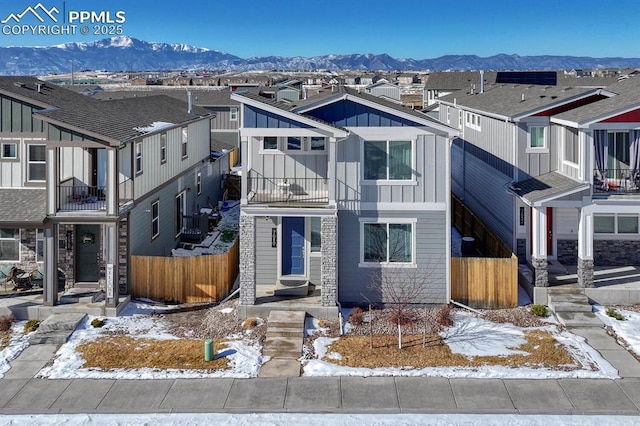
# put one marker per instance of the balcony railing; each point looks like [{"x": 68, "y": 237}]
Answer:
[
  {"x": 82, "y": 197},
  {"x": 268, "y": 190},
  {"x": 618, "y": 181}
]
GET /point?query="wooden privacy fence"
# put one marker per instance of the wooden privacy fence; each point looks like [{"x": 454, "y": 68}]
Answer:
[
  {"x": 191, "y": 279},
  {"x": 485, "y": 282}
]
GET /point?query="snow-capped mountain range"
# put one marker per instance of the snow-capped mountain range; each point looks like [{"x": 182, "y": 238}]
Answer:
[{"x": 124, "y": 53}]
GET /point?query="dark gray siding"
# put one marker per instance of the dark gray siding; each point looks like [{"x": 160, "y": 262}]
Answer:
[
  {"x": 431, "y": 253},
  {"x": 222, "y": 120},
  {"x": 16, "y": 116}
]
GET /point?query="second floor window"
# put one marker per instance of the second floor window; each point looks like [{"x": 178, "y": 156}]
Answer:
[
  {"x": 387, "y": 160},
  {"x": 270, "y": 142},
  {"x": 537, "y": 137},
  {"x": 233, "y": 114},
  {"x": 317, "y": 143},
  {"x": 163, "y": 148},
  {"x": 571, "y": 149},
  {"x": 36, "y": 163},
  {"x": 155, "y": 219},
  {"x": 199, "y": 183},
  {"x": 138, "y": 157},
  {"x": 185, "y": 140},
  {"x": 9, "y": 150},
  {"x": 618, "y": 149}
]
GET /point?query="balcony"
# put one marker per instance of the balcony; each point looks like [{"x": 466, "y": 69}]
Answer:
[
  {"x": 74, "y": 197},
  {"x": 618, "y": 181},
  {"x": 286, "y": 191}
]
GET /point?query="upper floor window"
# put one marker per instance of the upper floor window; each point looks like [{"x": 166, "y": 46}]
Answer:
[
  {"x": 185, "y": 140},
  {"x": 317, "y": 143},
  {"x": 138, "y": 157},
  {"x": 473, "y": 121},
  {"x": 448, "y": 115},
  {"x": 233, "y": 114},
  {"x": 163, "y": 148},
  {"x": 270, "y": 142},
  {"x": 36, "y": 163},
  {"x": 387, "y": 160},
  {"x": 9, "y": 150},
  {"x": 537, "y": 137},
  {"x": 294, "y": 143},
  {"x": 460, "y": 119},
  {"x": 9, "y": 245}
]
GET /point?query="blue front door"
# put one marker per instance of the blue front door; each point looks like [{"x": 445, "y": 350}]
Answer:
[{"x": 293, "y": 246}]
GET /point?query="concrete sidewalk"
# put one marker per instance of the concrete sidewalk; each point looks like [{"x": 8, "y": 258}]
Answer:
[{"x": 322, "y": 395}]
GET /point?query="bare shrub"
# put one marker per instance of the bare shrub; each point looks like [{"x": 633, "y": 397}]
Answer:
[
  {"x": 5, "y": 323},
  {"x": 444, "y": 316},
  {"x": 356, "y": 316}
]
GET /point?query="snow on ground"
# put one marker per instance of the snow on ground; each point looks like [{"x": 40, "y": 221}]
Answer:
[
  {"x": 472, "y": 336},
  {"x": 307, "y": 419},
  {"x": 628, "y": 329},
  {"x": 138, "y": 319},
  {"x": 18, "y": 342},
  {"x": 212, "y": 244}
]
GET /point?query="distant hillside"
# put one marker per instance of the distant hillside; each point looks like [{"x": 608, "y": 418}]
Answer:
[{"x": 130, "y": 54}]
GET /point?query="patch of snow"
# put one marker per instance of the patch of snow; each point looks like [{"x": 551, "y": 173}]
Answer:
[
  {"x": 312, "y": 326},
  {"x": 230, "y": 221},
  {"x": 226, "y": 310},
  {"x": 17, "y": 343},
  {"x": 156, "y": 125},
  {"x": 629, "y": 329}
]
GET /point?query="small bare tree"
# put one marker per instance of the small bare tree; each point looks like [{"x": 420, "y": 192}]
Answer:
[{"x": 402, "y": 287}]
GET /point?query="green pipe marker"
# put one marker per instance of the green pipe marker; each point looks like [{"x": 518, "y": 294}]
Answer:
[{"x": 209, "y": 351}]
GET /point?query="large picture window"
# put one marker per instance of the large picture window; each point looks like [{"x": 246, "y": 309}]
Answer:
[
  {"x": 36, "y": 163},
  {"x": 387, "y": 242},
  {"x": 9, "y": 245},
  {"x": 387, "y": 160},
  {"x": 615, "y": 224}
]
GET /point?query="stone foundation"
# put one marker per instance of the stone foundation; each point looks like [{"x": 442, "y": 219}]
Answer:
[
  {"x": 585, "y": 273},
  {"x": 540, "y": 273},
  {"x": 123, "y": 256},
  {"x": 247, "y": 260},
  {"x": 568, "y": 252},
  {"x": 329, "y": 251},
  {"x": 616, "y": 253}
]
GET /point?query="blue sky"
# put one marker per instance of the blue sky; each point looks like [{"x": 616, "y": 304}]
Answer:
[{"x": 416, "y": 29}]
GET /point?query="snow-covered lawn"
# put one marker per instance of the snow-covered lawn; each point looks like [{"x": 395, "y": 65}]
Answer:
[
  {"x": 628, "y": 329},
  {"x": 18, "y": 342}
]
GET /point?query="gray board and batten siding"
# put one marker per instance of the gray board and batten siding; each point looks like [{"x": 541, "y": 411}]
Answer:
[
  {"x": 430, "y": 251},
  {"x": 290, "y": 165}
]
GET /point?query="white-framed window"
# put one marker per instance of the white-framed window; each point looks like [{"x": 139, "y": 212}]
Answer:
[
  {"x": 388, "y": 160},
  {"x": 36, "y": 163},
  {"x": 316, "y": 235},
  {"x": 181, "y": 209},
  {"x": 460, "y": 120},
  {"x": 294, "y": 143},
  {"x": 270, "y": 143},
  {"x": 387, "y": 242},
  {"x": 317, "y": 143},
  {"x": 155, "y": 219},
  {"x": 9, "y": 151},
  {"x": 473, "y": 121},
  {"x": 9, "y": 245},
  {"x": 199, "y": 182},
  {"x": 537, "y": 137},
  {"x": 39, "y": 245},
  {"x": 163, "y": 148},
  {"x": 616, "y": 224},
  {"x": 138, "y": 157},
  {"x": 233, "y": 114},
  {"x": 448, "y": 115},
  {"x": 185, "y": 142}
]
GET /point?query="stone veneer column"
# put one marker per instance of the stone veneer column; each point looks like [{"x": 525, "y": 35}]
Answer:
[
  {"x": 329, "y": 268},
  {"x": 585, "y": 273},
  {"x": 540, "y": 273},
  {"x": 247, "y": 260}
]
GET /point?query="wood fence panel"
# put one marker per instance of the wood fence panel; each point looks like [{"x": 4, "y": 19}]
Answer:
[
  {"x": 191, "y": 279},
  {"x": 485, "y": 282}
]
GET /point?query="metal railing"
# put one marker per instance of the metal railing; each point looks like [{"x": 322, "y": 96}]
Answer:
[
  {"x": 617, "y": 181},
  {"x": 286, "y": 190},
  {"x": 84, "y": 197}
]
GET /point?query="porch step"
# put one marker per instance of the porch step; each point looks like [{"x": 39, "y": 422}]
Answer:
[
  {"x": 579, "y": 319},
  {"x": 572, "y": 308},
  {"x": 291, "y": 288}
]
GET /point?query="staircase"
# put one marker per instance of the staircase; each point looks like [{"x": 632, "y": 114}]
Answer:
[
  {"x": 572, "y": 307},
  {"x": 56, "y": 329},
  {"x": 283, "y": 343}
]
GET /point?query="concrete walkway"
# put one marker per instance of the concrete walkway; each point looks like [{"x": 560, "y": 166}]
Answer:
[{"x": 283, "y": 343}]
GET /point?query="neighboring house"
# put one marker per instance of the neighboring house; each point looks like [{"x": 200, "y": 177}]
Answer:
[
  {"x": 336, "y": 188},
  {"x": 440, "y": 84},
  {"x": 384, "y": 89},
  {"x": 551, "y": 170},
  {"x": 84, "y": 183}
]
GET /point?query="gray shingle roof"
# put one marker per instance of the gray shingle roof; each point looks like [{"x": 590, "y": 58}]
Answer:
[
  {"x": 546, "y": 186},
  {"x": 506, "y": 100},
  {"x": 458, "y": 80},
  {"x": 23, "y": 205},
  {"x": 200, "y": 97},
  {"x": 627, "y": 96}
]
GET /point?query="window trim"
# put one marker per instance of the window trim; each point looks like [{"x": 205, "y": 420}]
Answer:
[
  {"x": 233, "y": 114},
  {"x": 615, "y": 223},
  {"x": 576, "y": 150},
  {"x": 184, "y": 146},
  {"x": 269, "y": 150},
  {"x": 14, "y": 239},
  {"x": 155, "y": 220},
  {"x": 312, "y": 252},
  {"x": 29, "y": 162},
  {"x": 387, "y": 181},
  {"x": 5, "y": 143},
  {"x": 294, "y": 151},
  {"x": 545, "y": 139},
  {"x": 163, "y": 148},
  {"x": 198, "y": 182},
  {"x": 137, "y": 158},
  {"x": 388, "y": 221},
  {"x": 473, "y": 121}
]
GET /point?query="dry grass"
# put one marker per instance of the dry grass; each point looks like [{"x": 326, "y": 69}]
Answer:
[
  {"x": 128, "y": 353},
  {"x": 4, "y": 340},
  {"x": 542, "y": 351}
]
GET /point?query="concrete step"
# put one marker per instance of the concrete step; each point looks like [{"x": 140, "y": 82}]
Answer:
[
  {"x": 565, "y": 290},
  {"x": 291, "y": 288},
  {"x": 568, "y": 297},
  {"x": 284, "y": 333},
  {"x": 578, "y": 319},
  {"x": 56, "y": 329},
  {"x": 570, "y": 307}
]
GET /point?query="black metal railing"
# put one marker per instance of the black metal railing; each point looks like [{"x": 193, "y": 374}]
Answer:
[
  {"x": 81, "y": 197},
  {"x": 287, "y": 190},
  {"x": 616, "y": 181}
]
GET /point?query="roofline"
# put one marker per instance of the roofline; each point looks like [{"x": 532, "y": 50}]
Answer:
[
  {"x": 26, "y": 99},
  {"x": 562, "y": 102},
  {"x": 112, "y": 142},
  {"x": 340, "y": 133},
  {"x": 478, "y": 111},
  {"x": 426, "y": 121},
  {"x": 540, "y": 202},
  {"x": 164, "y": 129},
  {"x": 624, "y": 110}
]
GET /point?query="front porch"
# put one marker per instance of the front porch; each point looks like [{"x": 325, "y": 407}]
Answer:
[{"x": 267, "y": 301}]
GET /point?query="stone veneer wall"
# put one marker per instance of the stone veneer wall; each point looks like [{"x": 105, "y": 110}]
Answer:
[
  {"x": 567, "y": 252},
  {"x": 27, "y": 249},
  {"x": 585, "y": 273},
  {"x": 616, "y": 252},
  {"x": 540, "y": 272},
  {"x": 123, "y": 256},
  {"x": 247, "y": 260},
  {"x": 65, "y": 255},
  {"x": 329, "y": 268},
  {"x": 521, "y": 250}
]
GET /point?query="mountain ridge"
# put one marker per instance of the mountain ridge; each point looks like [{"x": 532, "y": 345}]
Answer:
[{"x": 124, "y": 53}]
